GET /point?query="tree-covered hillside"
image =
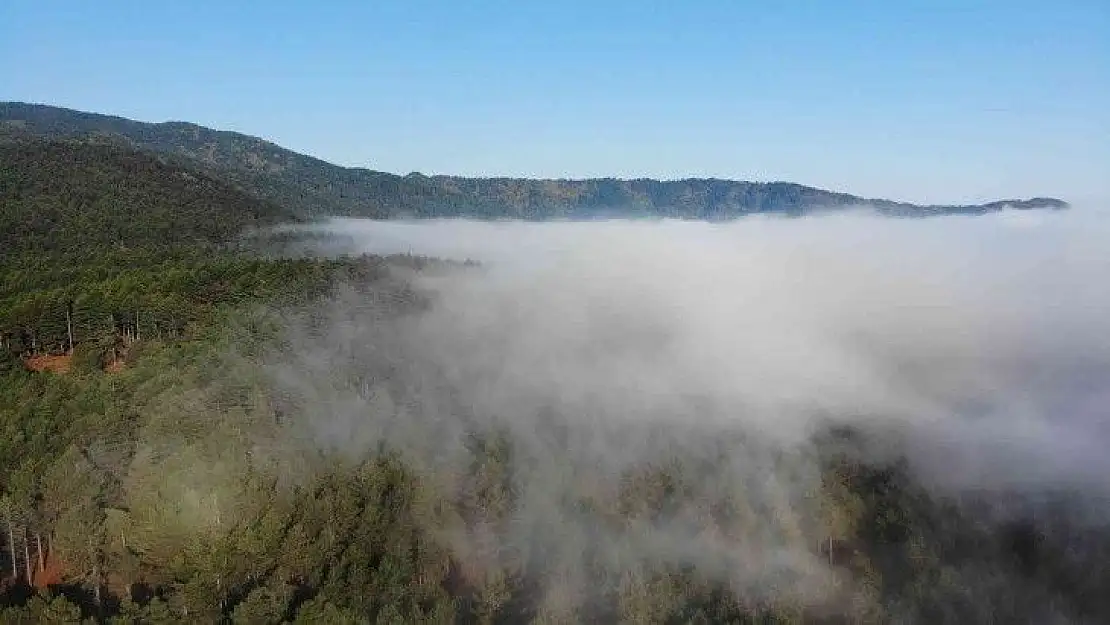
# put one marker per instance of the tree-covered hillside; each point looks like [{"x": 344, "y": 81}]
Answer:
[
  {"x": 314, "y": 187},
  {"x": 194, "y": 432},
  {"x": 96, "y": 237},
  {"x": 62, "y": 198}
]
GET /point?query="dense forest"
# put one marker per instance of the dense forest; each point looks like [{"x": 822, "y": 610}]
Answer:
[
  {"x": 313, "y": 187},
  {"x": 155, "y": 469}
]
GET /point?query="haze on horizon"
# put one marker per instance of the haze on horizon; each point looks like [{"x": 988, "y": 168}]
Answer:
[{"x": 921, "y": 102}]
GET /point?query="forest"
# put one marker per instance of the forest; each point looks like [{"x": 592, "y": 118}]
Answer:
[{"x": 156, "y": 466}]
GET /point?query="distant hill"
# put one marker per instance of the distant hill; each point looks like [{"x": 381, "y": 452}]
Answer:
[
  {"x": 312, "y": 187},
  {"x": 64, "y": 198}
]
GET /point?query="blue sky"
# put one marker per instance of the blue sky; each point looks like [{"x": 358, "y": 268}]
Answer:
[{"x": 928, "y": 101}]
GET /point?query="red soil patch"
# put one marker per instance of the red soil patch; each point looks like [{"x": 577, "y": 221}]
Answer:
[
  {"x": 51, "y": 575},
  {"x": 55, "y": 363}
]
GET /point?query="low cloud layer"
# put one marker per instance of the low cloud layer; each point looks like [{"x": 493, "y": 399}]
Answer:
[
  {"x": 978, "y": 346},
  {"x": 997, "y": 325}
]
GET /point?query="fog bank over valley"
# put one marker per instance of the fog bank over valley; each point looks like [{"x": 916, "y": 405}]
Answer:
[
  {"x": 987, "y": 333},
  {"x": 977, "y": 348}
]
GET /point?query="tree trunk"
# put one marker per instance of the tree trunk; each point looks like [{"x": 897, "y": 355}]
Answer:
[
  {"x": 11, "y": 546},
  {"x": 42, "y": 559},
  {"x": 69, "y": 325},
  {"x": 27, "y": 557}
]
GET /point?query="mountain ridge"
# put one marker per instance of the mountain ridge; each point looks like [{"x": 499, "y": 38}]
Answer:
[
  {"x": 313, "y": 187},
  {"x": 65, "y": 197}
]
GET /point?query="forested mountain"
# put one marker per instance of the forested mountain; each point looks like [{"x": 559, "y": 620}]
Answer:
[
  {"x": 314, "y": 187},
  {"x": 158, "y": 397},
  {"x": 64, "y": 197},
  {"x": 98, "y": 241}
]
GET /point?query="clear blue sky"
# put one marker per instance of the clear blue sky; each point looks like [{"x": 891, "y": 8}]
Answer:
[{"x": 919, "y": 100}]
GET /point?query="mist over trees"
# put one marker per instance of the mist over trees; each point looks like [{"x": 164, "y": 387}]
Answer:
[
  {"x": 192, "y": 485},
  {"x": 198, "y": 426}
]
